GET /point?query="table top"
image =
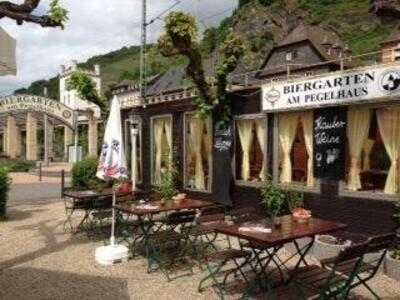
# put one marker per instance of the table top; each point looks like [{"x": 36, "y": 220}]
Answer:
[
  {"x": 289, "y": 231},
  {"x": 156, "y": 207},
  {"x": 87, "y": 194}
]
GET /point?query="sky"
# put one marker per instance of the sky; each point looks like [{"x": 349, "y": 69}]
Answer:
[{"x": 94, "y": 27}]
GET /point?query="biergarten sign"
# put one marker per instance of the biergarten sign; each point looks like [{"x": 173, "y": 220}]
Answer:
[
  {"x": 50, "y": 107},
  {"x": 345, "y": 87}
]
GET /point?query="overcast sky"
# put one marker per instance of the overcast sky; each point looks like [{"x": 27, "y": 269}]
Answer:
[{"x": 95, "y": 27}]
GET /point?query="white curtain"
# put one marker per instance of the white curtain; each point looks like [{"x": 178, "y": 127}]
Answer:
[
  {"x": 158, "y": 131},
  {"x": 261, "y": 130},
  {"x": 307, "y": 120},
  {"x": 358, "y": 123},
  {"x": 389, "y": 127},
  {"x": 196, "y": 137},
  {"x": 168, "y": 134},
  {"x": 367, "y": 153},
  {"x": 245, "y": 130},
  {"x": 288, "y": 123}
]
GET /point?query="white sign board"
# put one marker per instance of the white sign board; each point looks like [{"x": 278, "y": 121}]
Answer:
[
  {"x": 37, "y": 104},
  {"x": 345, "y": 87}
]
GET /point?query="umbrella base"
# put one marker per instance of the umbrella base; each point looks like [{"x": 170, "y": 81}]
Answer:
[{"x": 109, "y": 255}]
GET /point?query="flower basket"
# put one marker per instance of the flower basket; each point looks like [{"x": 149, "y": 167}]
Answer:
[
  {"x": 392, "y": 266},
  {"x": 326, "y": 246}
]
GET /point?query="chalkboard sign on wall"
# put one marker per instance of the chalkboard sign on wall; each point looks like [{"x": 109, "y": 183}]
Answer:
[
  {"x": 330, "y": 143},
  {"x": 222, "y": 170}
]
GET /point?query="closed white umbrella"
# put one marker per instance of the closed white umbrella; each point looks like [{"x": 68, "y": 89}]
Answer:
[
  {"x": 7, "y": 54},
  {"x": 112, "y": 165}
]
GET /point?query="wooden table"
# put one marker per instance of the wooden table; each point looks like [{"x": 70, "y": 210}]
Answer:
[
  {"x": 146, "y": 225},
  {"x": 88, "y": 201},
  {"x": 270, "y": 243}
]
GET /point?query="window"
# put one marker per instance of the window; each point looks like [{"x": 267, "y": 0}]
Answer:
[
  {"x": 161, "y": 134},
  {"x": 291, "y": 55},
  {"x": 251, "y": 149},
  {"x": 296, "y": 148},
  {"x": 198, "y": 153},
  {"x": 373, "y": 149}
]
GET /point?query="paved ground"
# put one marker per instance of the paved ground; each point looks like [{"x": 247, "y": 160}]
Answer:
[{"x": 39, "y": 261}]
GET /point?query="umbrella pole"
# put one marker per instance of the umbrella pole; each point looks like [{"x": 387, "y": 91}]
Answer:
[{"x": 112, "y": 238}]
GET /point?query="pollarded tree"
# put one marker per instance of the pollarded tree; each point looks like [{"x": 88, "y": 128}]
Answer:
[
  {"x": 181, "y": 37},
  {"x": 56, "y": 15}
]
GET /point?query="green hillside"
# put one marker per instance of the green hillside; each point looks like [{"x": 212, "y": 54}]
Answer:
[{"x": 261, "y": 23}]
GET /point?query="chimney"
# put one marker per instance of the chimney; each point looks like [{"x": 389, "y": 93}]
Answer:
[{"x": 97, "y": 69}]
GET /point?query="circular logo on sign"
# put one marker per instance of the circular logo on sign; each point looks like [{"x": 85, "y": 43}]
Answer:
[
  {"x": 66, "y": 114},
  {"x": 272, "y": 95},
  {"x": 390, "y": 81}
]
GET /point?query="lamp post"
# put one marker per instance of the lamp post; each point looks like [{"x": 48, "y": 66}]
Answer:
[{"x": 134, "y": 136}]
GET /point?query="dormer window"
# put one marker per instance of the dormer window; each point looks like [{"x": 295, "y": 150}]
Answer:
[{"x": 291, "y": 55}]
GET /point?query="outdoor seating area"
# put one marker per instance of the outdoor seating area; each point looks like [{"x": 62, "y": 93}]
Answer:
[{"x": 239, "y": 252}]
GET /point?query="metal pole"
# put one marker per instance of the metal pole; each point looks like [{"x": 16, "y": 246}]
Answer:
[
  {"x": 143, "y": 51},
  {"x": 46, "y": 140},
  {"x": 134, "y": 135},
  {"x": 114, "y": 198},
  {"x": 76, "y": 143}
]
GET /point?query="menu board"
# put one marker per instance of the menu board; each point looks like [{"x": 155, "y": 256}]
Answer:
[
  {"x": 222, "y": 170},
  {"x": 330, "y": 143}
]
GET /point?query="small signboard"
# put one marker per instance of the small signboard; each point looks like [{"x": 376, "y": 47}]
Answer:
[
  {"x": 222, "y": 171},
  {"x": 330, "y": 143}
]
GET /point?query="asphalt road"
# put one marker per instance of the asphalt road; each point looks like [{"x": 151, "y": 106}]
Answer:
[{"x": 26, "y": 193}]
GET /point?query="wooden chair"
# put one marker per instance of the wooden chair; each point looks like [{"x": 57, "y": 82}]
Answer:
[{"x": 341, "y": 274}]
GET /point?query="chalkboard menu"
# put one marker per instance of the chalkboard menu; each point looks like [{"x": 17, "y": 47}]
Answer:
[
  {"x": 222, "y": 169},
  {"x": 329, "y": 143}
]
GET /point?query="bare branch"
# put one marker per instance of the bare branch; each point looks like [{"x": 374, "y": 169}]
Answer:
[{"x": 23, "y": 12}]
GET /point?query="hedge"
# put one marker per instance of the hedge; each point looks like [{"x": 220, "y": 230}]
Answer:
[
  {"x": 84, "y": 174},
  {"x": 4, "y": 188},
  {"x": 17, "y": 165}
]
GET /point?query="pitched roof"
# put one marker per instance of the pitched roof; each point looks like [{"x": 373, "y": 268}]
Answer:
[{"x": 171, "y": 80}]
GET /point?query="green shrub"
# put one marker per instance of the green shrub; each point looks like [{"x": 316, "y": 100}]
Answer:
[
  {"x": 84, "y": 174},
  {"x": 17, "y": 165},
  {"x": 4, "y": 188}
]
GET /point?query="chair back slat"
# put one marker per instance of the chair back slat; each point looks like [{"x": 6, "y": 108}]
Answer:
[
  {"x": 380, "y": 242},
  {"x": 355, "y": 251}
]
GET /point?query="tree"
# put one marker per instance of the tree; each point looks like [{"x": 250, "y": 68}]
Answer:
[
  {"x": 180, "y": 37},
  {"x": 86, "y": 89},
  {"x": 56, "y": 15}
]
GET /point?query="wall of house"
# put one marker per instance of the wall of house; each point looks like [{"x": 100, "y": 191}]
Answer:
[
  {"x": 306, "y": 55},
  {"x": 328, "y": 203}
]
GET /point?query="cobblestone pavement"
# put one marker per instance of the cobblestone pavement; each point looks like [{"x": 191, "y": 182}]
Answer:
[{"x": 39, "y": 261}]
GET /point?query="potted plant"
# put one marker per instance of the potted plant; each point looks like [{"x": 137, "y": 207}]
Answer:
[
  {"x": 392, "y": 261},
  {"x": 167, "y": 186},
  {"x": 326, "y": 246},
  {"x": 273, "y": 199}
]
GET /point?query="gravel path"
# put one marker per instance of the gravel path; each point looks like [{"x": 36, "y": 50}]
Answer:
[{"x": 39, "y": 261}]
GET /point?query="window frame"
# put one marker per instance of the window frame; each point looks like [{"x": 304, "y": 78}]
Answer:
[
  {"x": 377, "y": 195},
  {"x": 170, "y": 116},
  {"x": 240, "y": 182},
  {"x": 294, "y": 186},
  {"x": 211, "y": 170}
]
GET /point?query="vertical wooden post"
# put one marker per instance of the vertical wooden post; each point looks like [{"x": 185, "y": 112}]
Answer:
[
  {"x": 62, "y": 183},
  {"x": 40, "y": 171}
]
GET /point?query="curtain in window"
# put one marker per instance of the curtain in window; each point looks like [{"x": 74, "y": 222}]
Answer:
[
  {"x": 196, "y": 137},
  {"x": 358, "y": 122},
  {"x": 261, "y": 130},
  {"x": 367, "y": 153},
  {"x": 168, "y": 135},
  {"x": 287, "y": 132},
  {"x": 158, "y": 131},
  {"x": 389, "y": 126},
  {"x": 307, "y": 120},
  {"x": 245, "y": 130}
]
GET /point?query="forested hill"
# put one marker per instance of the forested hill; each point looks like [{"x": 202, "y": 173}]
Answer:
[{"x": 362, "y": 24}]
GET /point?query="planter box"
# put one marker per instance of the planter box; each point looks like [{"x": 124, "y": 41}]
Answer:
[
  {"x": 392, "y": 267},
  {"x": 322, "y": 250}
]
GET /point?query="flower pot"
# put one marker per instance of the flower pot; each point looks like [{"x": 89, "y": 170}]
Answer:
[
  {"x": 125, "y": 188},
  {"x": 392, "y": 267},
  {"x": 323, "y": 248}
]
